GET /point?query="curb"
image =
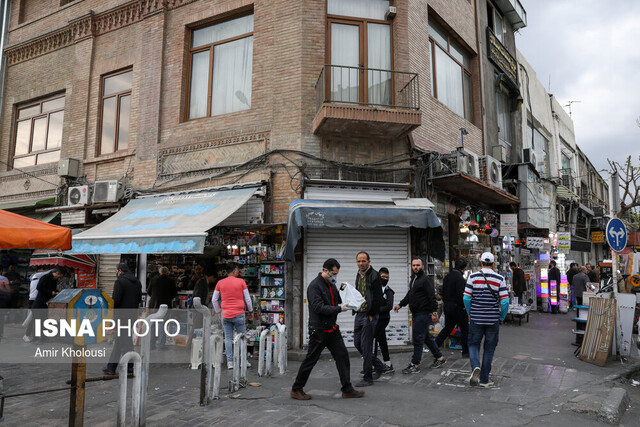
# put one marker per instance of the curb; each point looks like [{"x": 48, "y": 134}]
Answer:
[
  {"x": 614, "y": 406},
  {"x": 625, "y": 373}
]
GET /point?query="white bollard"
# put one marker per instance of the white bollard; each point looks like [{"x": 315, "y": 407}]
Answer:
[
  {"x": 205, "y": 377},
  {"x": 216, "y": 350},
  {"x": 137, "y": 415},
  {"x": 239, "y": 362},
  {"x": 261, "y": 352},
  {"x": 281, "y": 345}
]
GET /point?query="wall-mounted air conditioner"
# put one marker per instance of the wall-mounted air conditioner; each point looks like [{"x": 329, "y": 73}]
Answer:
[
  {"x": 78, "y": 195},
  {"x": 390, "y": 13},
  {"x": 529, "y": 156},
  {"x": 491, "y": 170},
  {"x": 467, "y": 163},
  {"x": 107, "y": 191}
]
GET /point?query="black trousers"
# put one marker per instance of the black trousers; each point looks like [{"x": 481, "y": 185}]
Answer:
[
  {"x": 454, "y": 315},
  {"x": 381, "y": 338},
  {"x": 363, "y": 334},
  {"x": 318, "y": 341}
]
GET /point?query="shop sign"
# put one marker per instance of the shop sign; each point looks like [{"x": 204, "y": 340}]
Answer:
[
  {"x": 564, "y": 242},
  {"x": 535, "y": 242},
  {"x": 501, "y": 57},
  {"x": 87, "y": 279},
  {"x": 597, "y": 237},
  {"x": 509, "y": 225}
]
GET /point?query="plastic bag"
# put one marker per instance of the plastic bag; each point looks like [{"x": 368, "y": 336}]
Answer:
[{"x": 351, "y": 296}]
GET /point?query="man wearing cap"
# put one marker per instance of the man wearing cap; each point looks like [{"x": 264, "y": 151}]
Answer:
[{"x": 487, "y": 302}]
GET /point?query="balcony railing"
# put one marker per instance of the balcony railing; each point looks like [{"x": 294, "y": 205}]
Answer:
[{"x": 367, "y": 87}]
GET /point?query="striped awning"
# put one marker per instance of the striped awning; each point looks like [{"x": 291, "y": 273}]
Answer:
[{"x": 78, "y": 262}]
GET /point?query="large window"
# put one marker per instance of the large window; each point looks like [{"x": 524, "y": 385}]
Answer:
[
  {"x": 450, "y": 72},
  {"x": 39, "y": 132},
  {"x": 540, "y": 146},
  {"x": 496, "y": 22},
  {"x": 220, "y": 64},
  {"x": 503, "y": 107},
  {"x": 116, "y": 108}
]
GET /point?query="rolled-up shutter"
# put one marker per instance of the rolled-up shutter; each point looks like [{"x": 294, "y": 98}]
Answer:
[
  {"x": 107, "y": 272},
  {"x": 388, "y": 247}
]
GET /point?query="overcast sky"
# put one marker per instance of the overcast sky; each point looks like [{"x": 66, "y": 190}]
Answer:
[{"x": 590, "y": 50}]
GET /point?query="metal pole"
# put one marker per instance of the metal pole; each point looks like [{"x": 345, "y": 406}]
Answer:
[
  {"x": 145, "y": 357},
  {"x": 205, "y": 373},
  {"x": 136, "y": 391},
  {"x": 76, "y": 397}
]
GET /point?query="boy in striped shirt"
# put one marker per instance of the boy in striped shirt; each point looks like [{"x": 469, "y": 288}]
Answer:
[{"x": 487, "y": 302}]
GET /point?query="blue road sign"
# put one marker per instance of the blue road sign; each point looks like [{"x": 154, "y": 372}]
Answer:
[{"x": 616, "y": 234}]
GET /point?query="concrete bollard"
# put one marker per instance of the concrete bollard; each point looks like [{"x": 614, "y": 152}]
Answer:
[
  {"x": 263, "y": 361},
  {"x": 145, "y": 356},
  {"x": 137, "y": 415},
  {"x": 239, "y": 363},
  {"x": 205, "y": 376},
  {"x": 281, "y": 345},
  {"x": 217, "y": 343}
]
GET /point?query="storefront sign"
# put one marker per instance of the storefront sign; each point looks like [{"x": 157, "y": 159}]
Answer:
[
  {"x": 509, "y": 225},
  {"x": 564, "y": 242},
  {"x": 87, "y": 279},
  {"x": 597, "y": 237},
  {"x": 535, "y": 242},
  {"x": 501, "y": 57}
]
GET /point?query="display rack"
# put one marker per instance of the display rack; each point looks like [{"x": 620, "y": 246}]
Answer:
[{"x": 272, "y": 292}]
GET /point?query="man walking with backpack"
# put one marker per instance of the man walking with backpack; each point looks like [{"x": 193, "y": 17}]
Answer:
[{"x": 487, "y": 302}]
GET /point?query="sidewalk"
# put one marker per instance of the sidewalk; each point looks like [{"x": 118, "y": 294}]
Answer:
[{"x": 538, "y": 381}]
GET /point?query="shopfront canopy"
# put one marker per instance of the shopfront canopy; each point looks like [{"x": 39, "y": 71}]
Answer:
[
  {"x": 17, "y": 232},
  {"x": 337, "y": 214},
  {"x": 170, "y": 223},
  {"x": 77, "y": 261}
]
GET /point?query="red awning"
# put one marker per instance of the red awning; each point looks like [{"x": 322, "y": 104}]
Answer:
[
  {"x": 48, "y": 257},
  {"x": 20, "y": 232}
]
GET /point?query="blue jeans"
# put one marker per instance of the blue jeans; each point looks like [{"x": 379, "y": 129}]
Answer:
[
  {"x": 421, "y": 336},
  {"x": 490, "y": 333},
  {"x": 229, "y": 325}
]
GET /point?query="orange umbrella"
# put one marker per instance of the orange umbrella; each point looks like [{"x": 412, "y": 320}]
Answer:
[{"x": 21, "y": 232}]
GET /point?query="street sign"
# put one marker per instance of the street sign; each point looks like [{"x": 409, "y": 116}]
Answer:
[{"x": 616, "y": 234}]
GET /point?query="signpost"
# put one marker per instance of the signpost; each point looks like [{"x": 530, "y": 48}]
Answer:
[{"x": 617, "y": 236}]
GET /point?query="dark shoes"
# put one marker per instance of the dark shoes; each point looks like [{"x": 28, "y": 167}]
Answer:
[
  {"x": 411, "y": 369},
  {"x": 353, "y": 394},
  {"x": 438, "y": 362},
  {"x": 388, "y": 369},
  {"x": 376, "y": 374},
  {"x": 364, "y": 383},
  {"x": 301, "y": 395}
]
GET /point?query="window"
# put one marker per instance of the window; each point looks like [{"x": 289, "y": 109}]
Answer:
[
  {"x": 39, "y": 133},
  {"x": 220, "y": 64},
  {"x": 496, "y": 22},
  {"x": 503, "y": 106},
  {"x": 360, "y": 38},
  {"x": 450, "y": 72},
  {"x": 116, "y": 107},
  {"x": 540, "y": 146}
]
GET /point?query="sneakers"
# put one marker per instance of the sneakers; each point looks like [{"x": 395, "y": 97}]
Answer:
[
  {"x": 229, "y": 365},
  {"x": 411, "y": 369},
  {"x": 474, "y": 379},
  {"x": 353, "y": 394},
  {"x": 26, "y": 339},
  {"x": 487, "y": 384},
  {"x": 301, "y": 395},
  {"x": 438, "y": 362},
  {"x": 388, "y": 369}
]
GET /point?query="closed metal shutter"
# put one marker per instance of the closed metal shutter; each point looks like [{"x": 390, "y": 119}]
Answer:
[
  {"x": 251, "y": 212},
  {"x": 107, "y": 272},
  {"x": 387, "y": 247}
]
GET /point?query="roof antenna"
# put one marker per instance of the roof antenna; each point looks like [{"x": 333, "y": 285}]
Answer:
[{"x": 569, "y": 105}]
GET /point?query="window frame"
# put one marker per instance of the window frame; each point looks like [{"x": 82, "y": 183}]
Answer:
[
  {"x": 491, "y": 21},
  {"x": 32, "y": 119},
  {"x": 210, "y": 47},
  {"x": 118, "y": 96},
  {"x": 464, "y": 70}
]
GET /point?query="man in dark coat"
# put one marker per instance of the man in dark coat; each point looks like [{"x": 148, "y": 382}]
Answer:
[
  {"x": 519, "y": 281},
  {"x": 162, "y": 289},
  {"x": 383, "y": 320},
  {"x": 571, "y": 272},
  {"x": 127, "y": 293},
  {"x": 422, "y": 302},
  {"x": 590, "y": 273},
  {"x": 364, "y": 326},
  {"x": 454, "y": 312},
  {"x": 324, "y": 306},
  {"x": 47, "y": 289}
]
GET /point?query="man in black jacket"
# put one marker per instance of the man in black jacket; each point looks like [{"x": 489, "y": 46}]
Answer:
[
  {"x": 554, "y": 275},
  {"x": 519, "y": 282},
  {"x": 571, "y": 272},
  {"x": 324, "y": 306},
  {"x": 127, "y": 293},
  {"x": 454, "y": 312},
  {"x": 421, "y": 299},
  {"x": 47, "y": 289},
  {"x": 364, "y": 326},
  {"x": 383, "y": 320},
  {"x": 162, "y": 290}
]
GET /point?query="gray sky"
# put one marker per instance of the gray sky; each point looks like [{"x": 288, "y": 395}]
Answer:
[{"x": 590, "y": 50}]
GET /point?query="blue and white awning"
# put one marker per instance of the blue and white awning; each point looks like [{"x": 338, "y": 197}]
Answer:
[{"x": 171, "y": 223}]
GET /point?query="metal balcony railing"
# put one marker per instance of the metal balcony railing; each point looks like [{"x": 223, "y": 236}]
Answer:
[{"x": 368, "y": 87}]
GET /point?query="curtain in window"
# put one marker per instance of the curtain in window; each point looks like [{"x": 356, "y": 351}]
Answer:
[
  {"x": 199, "y": 85},
  {"x": 372, "y": 9},
  {"x": 449, "y": 82},
  {"x": 379, "y": 56},
  {"x": 345, "y": 51},
  {"x": 232, "y": 68}
]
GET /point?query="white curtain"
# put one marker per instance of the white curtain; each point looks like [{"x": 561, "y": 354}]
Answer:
[
  {"x": 232, "y": 68},
  {"x": 372, "y": 9},
  {"x": 345, "y": 51},
  {"x": 449, "y": 82},
  {"x": 379, "y": 56},
  {"x": 199, "y": 85}
]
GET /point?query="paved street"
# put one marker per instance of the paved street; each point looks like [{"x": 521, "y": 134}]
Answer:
[{"x": 538, "y": 381}]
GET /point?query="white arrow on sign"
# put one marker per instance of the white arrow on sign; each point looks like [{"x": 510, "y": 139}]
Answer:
[{"x": 616, "y": 234}]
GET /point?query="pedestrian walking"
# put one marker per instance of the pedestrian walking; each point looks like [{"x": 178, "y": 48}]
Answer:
[
  {"x": 580, "y": 281},
  {"x": 571, "y": 272},
  {"x": 454, "y": 312},
  {"x": 487, "y": 302},
  {"x": 127, "y": 294},
  {"x": 366, "y": 319},
  {"x": 383, "y": 320},
  {"x": 33, "y": 293},
  {"x": 421, "y": 299},
  {"x": 324, "y": 306},
  {"x": 519, "y": 282},
  {"x": 231, "y": 296},
  {"x": 162, "y": 290}
]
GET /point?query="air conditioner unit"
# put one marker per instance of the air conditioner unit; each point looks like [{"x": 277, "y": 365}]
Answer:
[
  {"x": 78, "y": 195},
  {"x": 499, "y": 152},
  {"x": 529, "y": 156},
  {"x": 467, "y": 163},
  {"x": 492, "y": 171},
  {"x": 107, "y": 191},
  {"x": 391, "y": 13}
]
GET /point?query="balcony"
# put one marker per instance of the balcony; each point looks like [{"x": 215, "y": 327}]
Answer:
[
  {"x": 366, "y": 102},
  {"x": 514, "y": 12}
]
